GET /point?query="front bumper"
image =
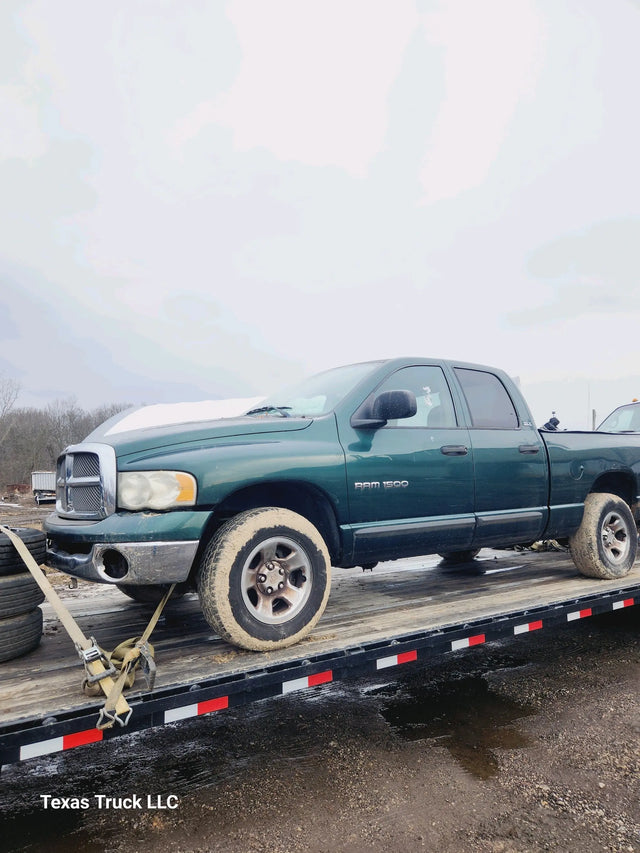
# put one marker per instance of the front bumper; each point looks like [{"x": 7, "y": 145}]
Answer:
[
  {"x": 129, "y": 548},
  {"x": 127, "y": 562}
]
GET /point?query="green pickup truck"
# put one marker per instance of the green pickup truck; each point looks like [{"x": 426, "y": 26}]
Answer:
[{"x": 362, "y": 463}]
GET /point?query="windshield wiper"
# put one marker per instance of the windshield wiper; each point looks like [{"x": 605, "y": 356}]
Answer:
[{"x": 281, "y": 410}]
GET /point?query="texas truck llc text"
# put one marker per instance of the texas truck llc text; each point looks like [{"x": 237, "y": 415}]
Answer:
[{"x": 102, "y": 801}]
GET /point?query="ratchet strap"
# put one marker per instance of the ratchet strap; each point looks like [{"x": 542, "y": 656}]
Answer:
[
  {"x": 99, "y": 667},
  {"x": 127, "y": 655}
]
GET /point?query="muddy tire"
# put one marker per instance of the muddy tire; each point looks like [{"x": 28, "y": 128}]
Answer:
[
  {"x": 19, "y": 594},
  {"x": 151, "y": 593},
  {"x": 264, "y": 579},
  {"x": 20, "y": 634},
  {"x": 606, "y": 543},
  {"x": 11, "y": 562},
  {"x": 455, "y": 557}
]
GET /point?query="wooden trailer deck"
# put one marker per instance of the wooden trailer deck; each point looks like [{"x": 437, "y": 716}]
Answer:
[{"x": 367, "y": 611}]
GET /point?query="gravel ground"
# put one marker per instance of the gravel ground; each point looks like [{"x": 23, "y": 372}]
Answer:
[{"x": 532, "y": 745}]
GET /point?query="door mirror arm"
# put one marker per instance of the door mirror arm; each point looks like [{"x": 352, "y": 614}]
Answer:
[{"x": 367, "y": 423}]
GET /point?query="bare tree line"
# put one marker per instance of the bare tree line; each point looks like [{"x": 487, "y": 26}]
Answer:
[{"x": 32, "y": 439}]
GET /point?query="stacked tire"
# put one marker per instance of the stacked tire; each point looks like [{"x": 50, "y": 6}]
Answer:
[{"x": 20, "y": 595}]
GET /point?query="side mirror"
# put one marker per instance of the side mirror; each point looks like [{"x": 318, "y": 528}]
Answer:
[
  {"x": 387, "y": 406},
  {"x": 391, "y": 405}
]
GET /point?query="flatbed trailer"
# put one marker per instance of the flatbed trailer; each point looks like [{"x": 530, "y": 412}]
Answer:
[{"x": 404, "y": 613}]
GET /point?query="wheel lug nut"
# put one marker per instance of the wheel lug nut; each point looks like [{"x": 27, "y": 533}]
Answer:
[
  {"x": 280, "y": 571},
  {"x": 269, "y": 590},
  {"x": 280, "y": 585},
  {"x": 262, "y": 578}
]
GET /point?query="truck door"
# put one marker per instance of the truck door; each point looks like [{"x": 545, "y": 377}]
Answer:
[
  {"x": 410, "y": 483},
  {"x": 510, "y": 464}
]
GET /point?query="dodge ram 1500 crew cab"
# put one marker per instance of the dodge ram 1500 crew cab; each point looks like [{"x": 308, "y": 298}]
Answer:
[{"x": 362, "y": 463}]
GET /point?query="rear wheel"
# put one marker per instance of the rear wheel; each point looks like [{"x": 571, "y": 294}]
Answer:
[
  {"x": 606, "y": 543},
  {"x": 264, "y": 579}
]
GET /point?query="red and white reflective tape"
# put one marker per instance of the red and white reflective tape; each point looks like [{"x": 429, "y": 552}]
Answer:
[
  {"x": 477, "y": 640},
  {"x": 628, "y": 602},
  {"x": 309, "y": 681},
  {"x": 195, "y": 710},
  {"x": 579, "y": 614},
  {"x": 528, "y": 626},
  {"x": 395, "y": 660},
  {"x": 58, "y": 744}
]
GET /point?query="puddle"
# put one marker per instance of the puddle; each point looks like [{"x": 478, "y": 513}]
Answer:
[{"x": 466, "y": 717}]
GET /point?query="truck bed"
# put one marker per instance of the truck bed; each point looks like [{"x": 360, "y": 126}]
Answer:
[{"x": 403, "y": 612}]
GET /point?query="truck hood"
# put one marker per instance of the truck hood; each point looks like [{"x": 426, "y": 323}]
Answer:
[{"x": 156, "y": 427}]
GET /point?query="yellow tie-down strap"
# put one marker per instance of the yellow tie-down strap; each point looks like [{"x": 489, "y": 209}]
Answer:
[{"x": 99, "y": 667}]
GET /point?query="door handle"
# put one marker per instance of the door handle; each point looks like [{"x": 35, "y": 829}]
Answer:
[
  {"x": 454, "y": 450},
  {"x": 529, "y": 448}
]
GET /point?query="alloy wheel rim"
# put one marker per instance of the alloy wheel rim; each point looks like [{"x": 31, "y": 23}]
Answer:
[
  {"x": 277, "y": 578},
  {"x": 615, "y": 538}
]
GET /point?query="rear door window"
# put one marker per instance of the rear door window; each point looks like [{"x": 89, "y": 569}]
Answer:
[{"x": 489, "y": 403}]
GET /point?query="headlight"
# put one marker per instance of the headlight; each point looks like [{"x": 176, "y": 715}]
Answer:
[{"x": 156, "y": 489}]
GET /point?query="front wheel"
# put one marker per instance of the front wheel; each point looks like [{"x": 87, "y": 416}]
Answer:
[
  {"x": 606, "y": 543},
  {"x": 264, "y": 579}
]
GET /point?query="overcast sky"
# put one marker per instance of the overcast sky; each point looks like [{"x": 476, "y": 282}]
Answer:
[{"x": 210, "y": 199}]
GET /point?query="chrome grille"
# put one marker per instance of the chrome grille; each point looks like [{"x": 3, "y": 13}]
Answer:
[
  {"x": 86, "y": 465},
  {"x": 86, "y": 482},
  {"x": 87, "y": 499}
]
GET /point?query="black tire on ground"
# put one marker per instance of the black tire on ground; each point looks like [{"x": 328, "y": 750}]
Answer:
[
  {"x": 10, "y": 561},
  {"x": 264, "y": 579},
  {"x": 19, "y": 594},
  {"x": 455, "y": 557},
  {"x": 151, "y": 593},
  {"x": 20, "y": 634},
  {"x": 606, "y": 543}
]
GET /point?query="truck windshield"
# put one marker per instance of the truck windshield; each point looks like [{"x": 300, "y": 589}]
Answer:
[
  {"x": 622, "y": 419},
  {"x": 315, "y": 395}
]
